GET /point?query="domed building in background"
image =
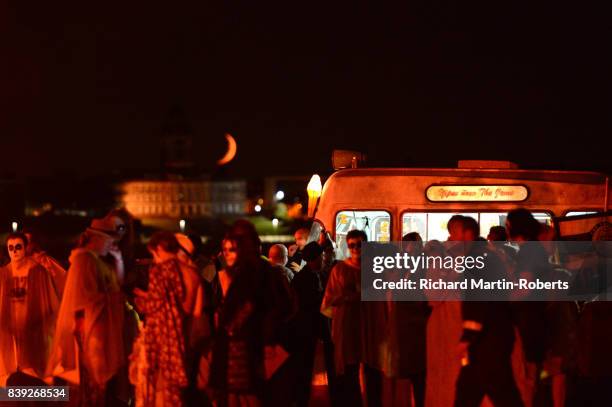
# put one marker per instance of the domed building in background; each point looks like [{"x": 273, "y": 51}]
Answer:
[{"x": 181, "y": 190}]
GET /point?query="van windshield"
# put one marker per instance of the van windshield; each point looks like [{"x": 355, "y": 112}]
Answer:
[{"x": 376, "y": 224}]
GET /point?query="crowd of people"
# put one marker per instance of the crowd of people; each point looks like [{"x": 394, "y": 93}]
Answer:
[
  {"x": 244, "y": 328},
  {"x": 463, "y": 350}
]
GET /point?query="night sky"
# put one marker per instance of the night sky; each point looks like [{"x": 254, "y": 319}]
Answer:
[{"x": 87, "y": 88}]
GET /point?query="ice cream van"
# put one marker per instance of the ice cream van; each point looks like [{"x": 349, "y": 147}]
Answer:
[{"x": 387, "y": 203}]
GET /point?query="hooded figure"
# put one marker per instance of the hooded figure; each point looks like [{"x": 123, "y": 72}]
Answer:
[
  {"x": 88, "y": 345},
  {"x": 28, "y": 304}
]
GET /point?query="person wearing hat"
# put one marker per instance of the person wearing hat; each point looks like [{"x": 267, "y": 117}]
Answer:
[
  {"x": 193, "y": 300},
  {"x": 88, "y": 347},
  {"x": 306, "y": 325}
]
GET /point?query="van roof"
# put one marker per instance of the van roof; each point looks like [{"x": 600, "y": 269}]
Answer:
[{"x": 579, "y": 177}]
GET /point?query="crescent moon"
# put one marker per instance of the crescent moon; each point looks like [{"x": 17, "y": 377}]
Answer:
[{"x": 232, "y": 149}]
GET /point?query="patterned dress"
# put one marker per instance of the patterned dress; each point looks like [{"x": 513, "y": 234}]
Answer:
[{"x": 162, "y": 339}]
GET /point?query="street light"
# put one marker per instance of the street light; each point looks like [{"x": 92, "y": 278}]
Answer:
[
  {"x": 280, "y": 195},
  {"x": 257, "y": 208}
]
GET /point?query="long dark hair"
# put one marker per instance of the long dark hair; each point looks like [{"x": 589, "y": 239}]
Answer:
[
  {"x": 247, "y": 273},
  {"x": 247, "y": 242},
  {"x": 246, "y": 256}
]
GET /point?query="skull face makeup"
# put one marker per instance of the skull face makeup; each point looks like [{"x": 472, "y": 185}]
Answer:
[
  {"x": 16, "y": 249},
  {"x": 119, "y": 226},
  {"x": 229, "y": 252}
]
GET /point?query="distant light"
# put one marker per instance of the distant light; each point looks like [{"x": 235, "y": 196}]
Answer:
[
  {"x": 275, "y": 222},
  {"x": 260, "y": 201},
  {"x": 15, "y": 226},
  {"x": 182, "y": 224},
  {"x": 257, "y": 208},
  {"x": 280, "y": 195}
]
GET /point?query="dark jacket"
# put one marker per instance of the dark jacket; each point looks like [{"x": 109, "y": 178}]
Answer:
[
  {"x": 531, "y": 316},
  {"x": 252, "y": 315},
  {"x": 488, "y": 325},
  {"x": 306, "y": 325}
]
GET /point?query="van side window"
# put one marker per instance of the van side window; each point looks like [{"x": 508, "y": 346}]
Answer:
[
  {"x": 432, "y": 225},
  {"x": 376, "y": 224}
]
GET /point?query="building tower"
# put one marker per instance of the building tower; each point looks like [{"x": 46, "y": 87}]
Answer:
[{"x": 177, "y": 142}]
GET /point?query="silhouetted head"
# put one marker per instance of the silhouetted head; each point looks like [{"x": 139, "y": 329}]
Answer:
[{"x": 521, "y": 225}]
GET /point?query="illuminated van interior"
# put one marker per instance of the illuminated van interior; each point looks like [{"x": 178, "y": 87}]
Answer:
[{"x": 430, "y": 225}]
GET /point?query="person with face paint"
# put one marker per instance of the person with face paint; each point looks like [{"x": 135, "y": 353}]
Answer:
[
  {"x": 28, "y": 304},
  {"x": 122, "y": 252},
  {"x": 121, "y": 259},
  {"x": 91, "y": 316},
  {"x": 248, "y": 363},
  {"x": 222, "y": 279},
  {"x": 121, "y": 256}
]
